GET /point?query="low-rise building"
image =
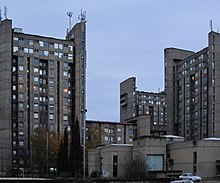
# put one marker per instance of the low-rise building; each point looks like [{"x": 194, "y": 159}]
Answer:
[{"x": 200, "y": 157}]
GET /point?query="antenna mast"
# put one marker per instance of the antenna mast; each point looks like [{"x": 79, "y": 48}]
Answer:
[
  {"x": 0, "y": 15},
  {"x": 70, "y": 14},
  {"x": 210, "y": 24},
  {"x": 82, "y": 16},
  {"x": 5, "y": 12}
]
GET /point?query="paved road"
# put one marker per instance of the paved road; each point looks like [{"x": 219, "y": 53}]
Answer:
[{"x": 211, "y": 181}]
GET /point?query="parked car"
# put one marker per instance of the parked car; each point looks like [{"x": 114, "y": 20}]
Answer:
[
  {"x": 190, "y": 176},
  {"x": 181, "y": 181}
]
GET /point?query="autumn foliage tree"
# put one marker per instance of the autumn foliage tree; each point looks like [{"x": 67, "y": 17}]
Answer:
[{"x": 45, "y": 145}]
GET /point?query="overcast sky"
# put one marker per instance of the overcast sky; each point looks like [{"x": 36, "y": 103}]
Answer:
[{"x": 124, "y": 38}]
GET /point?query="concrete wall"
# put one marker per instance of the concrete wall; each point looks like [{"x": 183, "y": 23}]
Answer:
[
  {"x": 149, "y": 145},
  {"x": 102, "y": 159},
  {"x": 5, "y": 92},
  {"x": 207, "y": 154}
]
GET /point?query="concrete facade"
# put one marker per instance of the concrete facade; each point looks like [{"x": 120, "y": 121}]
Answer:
[
  {"x": 200, "y": 157},
  {"x": 110, "y": 160},
  {"x": 192, "y": 83},
  {"x": 42, "y": 85},
  {"x": 134, "y": 103}
]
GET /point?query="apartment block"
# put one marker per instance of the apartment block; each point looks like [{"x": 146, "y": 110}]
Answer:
[
  {"x": 134, "y": 103},
  {"x": 192, "y": 85},
  {"x": 42, "y": 85},
  {"x": 108, "y": 132}
]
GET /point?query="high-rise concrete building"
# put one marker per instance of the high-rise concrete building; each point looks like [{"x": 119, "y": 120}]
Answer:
[
  {"x": 192, "y": 85},
  {"x": 42, "y": 85},
  {"x": 134, "y": 103}
]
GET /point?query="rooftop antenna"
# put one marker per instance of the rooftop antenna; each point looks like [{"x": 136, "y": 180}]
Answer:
[
  {"x": 210, "y": 24},
  {"x": 5, "y": 12},
  {"x": 82, "y": 16},
  {"x": 70, "y": 14},
  {"x": 0, "y": 15}
]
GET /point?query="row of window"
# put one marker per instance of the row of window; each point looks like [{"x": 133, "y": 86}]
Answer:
[
  {"x": 43, "y": 52},
  {"x": 119, "y": 139},
  {"x": 45, "y": 44}
]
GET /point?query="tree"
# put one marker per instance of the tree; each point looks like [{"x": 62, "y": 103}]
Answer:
[
  {"x": 62, "y": 157},
  {"x": 45, "y": 146},
  {"x": 137, "y": 168},
  {"x": 94, "y": 137},
  {"x": 76, "y": 152}
]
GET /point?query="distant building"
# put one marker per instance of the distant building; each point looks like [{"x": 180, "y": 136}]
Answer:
[
  {"x": 42, "y": 85},
  {"x": 107, "y": 132},
  {"x": 134, "y": 103},
  {"x": 192, "y": 86}
]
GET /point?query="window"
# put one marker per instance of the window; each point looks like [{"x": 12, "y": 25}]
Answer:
[
  {"x": 14, "y": 87},
  {"x": 56, "y": 54},
  {"x": 31, "y": 42},
  {"x": 155, "y": 162},
  {"x": 35, "y": 97},
  {"x": 36, "y": 79},
  {"x": 41, "y": 43},
  {"x": 36, "y": 69},
  {"x": 15, "y": 38},
  {"x": 70, "y": 56},
  {"x": 46, "y": 53},
  {"x": 60, "y": 46},
  {"x": 65, "y": 117},
  {"x": 21, "y": 133},
  {"x": 56, "y": 46},
  {"x": 41, "y": 52},
  {"x": 106, "y": 138},
  {"x": 21, "y": 86},
  {"x": 31, "y": 51},
  {"x": 36, "y": 61},
  {"x": 51, "y": 99},
  {"x": 51, "y": 116},
  {"x": 15, "y": 49},
  {"x": 51, "y": 107},
  {"x": 36, "y": 105},
  {"x": 65, "y": 73},
  {"x": 70, "y": 47},
  {"x": 35, "y": 87},
  {"x": 25, "y": 50},
  {"x": 21, "y": 67},
  {"x": 21, "y": 114},
  {"x": 60, "y": 55},
  {"x": 130, "y": 131},
  {"x": 35, "y": 115},
  {"x": 13, "y": 69},
  {"x": 119, "y": 138},
  {"x": 21, "y": 95},
  {"x": 21, "y": 143},
  {"x": 119, "y": 129},
  {"x": 130, "y": 139}
]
